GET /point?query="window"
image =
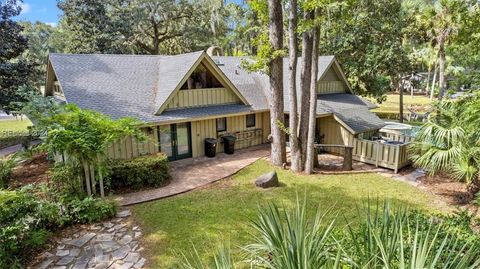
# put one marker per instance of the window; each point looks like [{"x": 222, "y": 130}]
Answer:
[
  {"x": 221, "y": 124},
  {"x": 250, "y": 119}
]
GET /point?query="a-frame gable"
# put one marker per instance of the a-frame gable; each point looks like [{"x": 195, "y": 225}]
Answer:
[
  {"x": 226, "y": 94},
  {"x": 333, "y": 80}
]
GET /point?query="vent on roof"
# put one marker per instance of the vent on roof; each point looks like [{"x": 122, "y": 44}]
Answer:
[{"x": 218, "y": 63}]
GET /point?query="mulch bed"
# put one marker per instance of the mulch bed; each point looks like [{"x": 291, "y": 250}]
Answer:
[
  {"x": 33, "y": 171},
  {"x": 454, "y": 192}
]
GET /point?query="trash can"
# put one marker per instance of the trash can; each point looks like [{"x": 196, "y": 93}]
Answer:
[
  {"x": 210, "y": 147},
  {"x": 229, "y": 144}
]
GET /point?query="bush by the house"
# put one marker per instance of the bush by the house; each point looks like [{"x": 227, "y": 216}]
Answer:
[
  {"x": 27, "y": 219},
  {"x": 147, "y": 171}
]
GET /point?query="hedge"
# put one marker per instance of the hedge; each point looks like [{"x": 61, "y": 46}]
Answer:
[{"x": 146, "y": 171}]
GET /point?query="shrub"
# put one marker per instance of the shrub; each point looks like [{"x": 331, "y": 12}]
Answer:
[
  {"x": 88, "y": 210},
  {"x": 147, "y": 171},
  {"x": 24, "y": 224},
  {"x": 66, "y": 179},
  {"x": 6, "y": 168}
]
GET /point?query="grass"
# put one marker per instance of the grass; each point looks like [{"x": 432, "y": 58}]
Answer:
[
  {"x": 14, "y": 125},
  {"x": 221, "y": 212},
  {"x": 392, "y": 104},
  {"x": 13, "y": 131}
]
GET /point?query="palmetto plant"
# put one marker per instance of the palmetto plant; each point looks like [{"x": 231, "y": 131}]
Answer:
[
  {"x": 385, "y": 238},
  {"x": 450, "y": 141}
]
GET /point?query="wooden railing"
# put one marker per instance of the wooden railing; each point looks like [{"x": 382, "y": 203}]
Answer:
[
  {"x": 202, "y": 97},
  {"x": 381, "y": 154}
]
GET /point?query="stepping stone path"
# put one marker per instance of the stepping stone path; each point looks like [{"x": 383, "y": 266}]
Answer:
[{"x": 112, "y": 244}]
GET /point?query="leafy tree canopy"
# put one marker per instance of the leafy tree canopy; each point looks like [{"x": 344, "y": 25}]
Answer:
[{"x": 14, "y": 72}]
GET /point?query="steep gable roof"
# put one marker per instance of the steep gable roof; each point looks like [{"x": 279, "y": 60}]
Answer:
[{"x": 175, "y": 70}]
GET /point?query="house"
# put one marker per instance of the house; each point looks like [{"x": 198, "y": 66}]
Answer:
[{"x": 184, "y": 99}]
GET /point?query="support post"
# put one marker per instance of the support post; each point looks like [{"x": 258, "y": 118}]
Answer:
[
  {"x": 86, "y": 171},
  {"x": 348, "y": 158}
]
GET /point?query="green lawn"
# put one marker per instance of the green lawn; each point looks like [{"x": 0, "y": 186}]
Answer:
[
  {"x": 14, "y": 125},
  {"x": 221, "y": 212},
  {"x": 392, "y": 104}
]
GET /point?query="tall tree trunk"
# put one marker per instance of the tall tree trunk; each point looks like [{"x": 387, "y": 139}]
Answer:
[
  {"x": 295, "y": 152},
  {"x": 442, "y": 79},
  {"x": 310, "y": 158},
  {"x": 305, "y": 79},
  {"x": 432, "y": 89},
  {"x": 276, "y": 83},
  {"x": 428, "y": 78},
  {"x": 400, "y": 95}
]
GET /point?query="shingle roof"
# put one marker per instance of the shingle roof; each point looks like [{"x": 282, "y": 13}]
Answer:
[
  {"x": 351, "y": 109},
  {"x": 137, "y": 85}
]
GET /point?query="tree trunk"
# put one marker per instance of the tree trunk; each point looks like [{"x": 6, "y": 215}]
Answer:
[
  {"x": 305, "y": 79},
  {"x": 276, "y": 83},
  {"x": 400, "y": 94},
  {"x": 442, "y": 79},
  {"x": 428, "y": 79},
  {"x": 86, "y": 171},
  {"x": 432, "y": 89},
  {"x": 295, "y": 152},
  {"x": 310, "y": 158}
]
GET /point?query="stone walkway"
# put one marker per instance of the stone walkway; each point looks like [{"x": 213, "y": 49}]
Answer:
[
  {"x": 410, "y": 178},
  {"x": 193, "y": 173},
  {"x": 110, "y": 244}
]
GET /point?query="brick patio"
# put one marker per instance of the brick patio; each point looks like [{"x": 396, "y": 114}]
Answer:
[{"x": 189, "y": 174}]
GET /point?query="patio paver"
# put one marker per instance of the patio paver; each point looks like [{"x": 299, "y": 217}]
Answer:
[{"x": 193, "y": 173}]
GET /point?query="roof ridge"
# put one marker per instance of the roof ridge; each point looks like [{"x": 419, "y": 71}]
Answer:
[{"x": 123, "y": 55}]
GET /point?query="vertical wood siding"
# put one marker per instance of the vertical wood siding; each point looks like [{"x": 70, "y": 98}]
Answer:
[
  {"x": 203, "y": 97},
  {"x": 129, "y": 147},
  {"x": 328, "y": 87},
  {"x": 334, "y": 133}
]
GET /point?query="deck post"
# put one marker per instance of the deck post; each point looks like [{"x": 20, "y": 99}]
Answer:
[
  {"x": 348, "y": 158},
  {"x": 377, "y": 155},
  {"x": 397, "y": 158}
]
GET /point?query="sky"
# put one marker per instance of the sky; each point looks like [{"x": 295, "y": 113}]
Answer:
[
  {"x": 40, "y": 10},
  {"x": 46, "y": 11}
]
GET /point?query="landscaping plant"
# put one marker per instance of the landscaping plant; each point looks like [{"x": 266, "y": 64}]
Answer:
[
  {"x": 27, "y": 218},
  {"x": 450, "y": 141},
  {"x": 146, "y": 171},
  {"x": 6, "y": 167},
  {"x": 386, "y": 237}
]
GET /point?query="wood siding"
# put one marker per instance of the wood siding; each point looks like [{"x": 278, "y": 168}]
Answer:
[
  {"x": 246, "y": 137},
  {"x": 203, "y": 97},
  {"x": 328, "y": 87},
  {"x": 334, "y": 133},
  {"x": 129, "y": 147}
]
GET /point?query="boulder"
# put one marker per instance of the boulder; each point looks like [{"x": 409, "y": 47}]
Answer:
[{"x": 268, "y": 180}]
